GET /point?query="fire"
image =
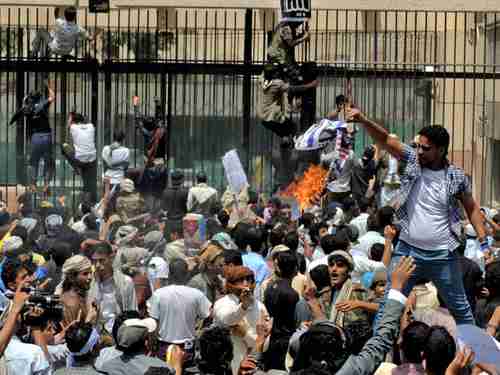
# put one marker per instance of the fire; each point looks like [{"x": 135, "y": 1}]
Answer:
[{"x": 308, "y": 188}]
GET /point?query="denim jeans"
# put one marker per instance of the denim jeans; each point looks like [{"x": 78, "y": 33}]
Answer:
[
  {"x": 443, "y": 271},
  {"x": 41, "y": 148}
]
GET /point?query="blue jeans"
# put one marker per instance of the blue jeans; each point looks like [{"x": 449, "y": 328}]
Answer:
[
  {"x": 41, "y": 148},
  {"x": 444, "y": 271}
]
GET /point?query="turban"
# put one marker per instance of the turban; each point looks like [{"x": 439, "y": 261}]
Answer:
[
  {"x": 125, "y": 234},
  {"x": 209, "y": 253},
  {"x": 76, "y": 263}
]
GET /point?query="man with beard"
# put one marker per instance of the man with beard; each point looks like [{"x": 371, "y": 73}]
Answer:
[
  {"x": 239, "y": 311},
  {"x": 431, "y": 196},
  {"x": 74, "y": 287}
]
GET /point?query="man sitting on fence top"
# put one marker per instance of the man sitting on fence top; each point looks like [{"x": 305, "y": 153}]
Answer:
[{"x": 64, "y": 38}]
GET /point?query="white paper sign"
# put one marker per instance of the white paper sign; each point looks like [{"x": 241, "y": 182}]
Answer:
[{"x": 235, "y": 174}]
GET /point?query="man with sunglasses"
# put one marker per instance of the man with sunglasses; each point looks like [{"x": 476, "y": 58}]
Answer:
[{"x": 431, "y": 193}]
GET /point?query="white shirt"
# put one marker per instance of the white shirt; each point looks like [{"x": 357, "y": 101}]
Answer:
[
  {"x": 362, "y": 265},
  {"x": 429, "y": 226},
  {"x": 228, "y": 312},
  {"x": 366, "y": 242},
  {"x": 65, "y": 36},
  {"x": 361, "y": 222},
  {"x": 25, "y": 359},
  {"x": 83, "y": 136},
  {"x": 108, "y": 304},
  {"x": 177, "y": 308},
  {"x": 119, "y": 155}
]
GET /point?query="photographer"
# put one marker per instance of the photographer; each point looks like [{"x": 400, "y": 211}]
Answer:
[
  {"x": 11, "y": 317},
  {"x": 35, "y": 110},
  {"x": 82, "y": 153},
  {"x": 22, "y": 358}
]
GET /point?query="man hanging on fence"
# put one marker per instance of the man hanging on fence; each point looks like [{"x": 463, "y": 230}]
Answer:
[
  {"x": 36, "y": 111},
  {"x": 81, "y": 153}
]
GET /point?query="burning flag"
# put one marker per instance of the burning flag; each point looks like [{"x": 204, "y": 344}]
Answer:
[{"x": 308, "y": 188}]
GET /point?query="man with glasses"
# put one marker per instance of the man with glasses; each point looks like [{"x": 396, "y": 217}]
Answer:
[{"x": 431, "y": 192}]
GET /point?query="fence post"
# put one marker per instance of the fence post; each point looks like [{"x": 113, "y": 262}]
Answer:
[
  {"x": 20, "y": 159},
  {"x": 94, "y": 110},
  {"x": 247, "y": 88}
]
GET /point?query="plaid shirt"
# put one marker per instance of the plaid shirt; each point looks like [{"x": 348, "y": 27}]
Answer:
[{"x": 457, "y": 185}]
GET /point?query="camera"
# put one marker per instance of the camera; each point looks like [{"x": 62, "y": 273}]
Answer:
[
  {"x": 41, "y": 307},
  {"x": 33, "y": 106}
]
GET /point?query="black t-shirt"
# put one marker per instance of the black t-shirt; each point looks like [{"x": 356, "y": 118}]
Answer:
[{"x": 38, "y": 122}]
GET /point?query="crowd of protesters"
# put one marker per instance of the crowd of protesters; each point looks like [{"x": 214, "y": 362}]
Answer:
[{"x": 357, "y": 284}]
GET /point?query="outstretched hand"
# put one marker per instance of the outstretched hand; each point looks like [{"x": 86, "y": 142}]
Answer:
[{"x": 402, "y": 273}]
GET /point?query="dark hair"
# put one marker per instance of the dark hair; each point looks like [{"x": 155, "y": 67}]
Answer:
[
  {"x": 492, "y": 279},
  {"x": 59, "y": 251},
  {"x": 314, "y": 231},
  {"x": 11, "y": 268},
  {"x": 101, "y": 248},
  {"x": 385, "y": 216},
  {"x": 118, "y": 136},
  {"x": 306, "y": 220},
  {"x": 363, "y": 204},
  {"x": 330, "y": 243},
  {"x": 340, "y": 99},
  {"x": 178, "y": 271},
  {"x": 223, "y": 217},
  {"x": 276, "y": 201},
  {"x": 413, "y": 341},
  {"x": 70, "y": 14},
  {"x": 90, "y": 222},
  {"x": 287, "y": 264},
  {"x": 255, "y": 239},
  {"x": 320, "y": 276},
  {"x": 201, "y": 177},
  {"x": 232, "y": 257},
  {"x": 372, "y": 223},
  {"x": 377, "y": 252},
  {"x": 348, "y": 203},
  {"x": 241, "y": 236},
  {"x": 277, "y": 235},
  {"x": 358, "y": 333},
  {"x": 216, "y": 350},
  {"x": 291, "y": 241},
  {"x": 120, "y": 319},
  {"x": 317, "y": 346},
  {"x": 301, "y": 263},
  {"x": 439, "y": 349},
  {"x": 78, "y": 118},
  {"x": 21, "y": 232},
  {"x": 437, "y": 135},
  {"x": 77, "y": 336},
  {"x": 496, "y": 219}
]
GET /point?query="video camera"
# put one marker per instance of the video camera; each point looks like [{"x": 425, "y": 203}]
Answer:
[
  {"x": 34, "y": 105},
  {"x": 148, "y": 123},
  {"x": 41, "y": 307}
]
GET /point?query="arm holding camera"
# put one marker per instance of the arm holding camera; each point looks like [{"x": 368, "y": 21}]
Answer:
[{"x": 9, "y": 326}]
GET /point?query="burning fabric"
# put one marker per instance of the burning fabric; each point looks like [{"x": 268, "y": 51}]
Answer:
[{"x": 307, "y": 190}]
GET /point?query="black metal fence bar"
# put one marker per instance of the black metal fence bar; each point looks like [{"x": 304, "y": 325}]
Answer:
[{"x": 406, "y": 68}]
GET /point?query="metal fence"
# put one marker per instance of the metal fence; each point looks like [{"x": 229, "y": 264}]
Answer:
[{"x": 406, "y": 69}]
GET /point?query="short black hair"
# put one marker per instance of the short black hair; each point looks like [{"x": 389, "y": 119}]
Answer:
[
  {"x": 301, "y": 263},
  {"x": 216, "y": 349},
  {"x": 70, "y": 14},
  {"x": 437, "y": 135},
  {"x": 492, "y": 279},
  {"x": 314, "y": 231},
  {"x": 90, "y": 222},
  {"x": 413, "y": 341},
  {"x": 287, "y": 264},
  {"x": 101, "y": 248},
  {"x": 255, "y": 238},
  {"x": 78, "y": 118},
  {"x": 120, "y": 319},
  {"x": 277, "y": 235},
  {"x": 358, "y": 332},
  {"x": 201, "y": 177},
  {"x": 330, "y": 243},
  {"x": 77, "y": 336},
  {"x": 178, "y": 271},
  {"x": 240, "y": 235},
  {"x": 291, "y": 240},
  {"x": 363, "y": 204},
  {"x": 439, "y": 349},
  {"x": 306, "y": 220},
  {"x": 377, "y": 252},
  {"x": 233, "y": 257},
  {"x": 340, "y": 99},
  {"x": 223, "y": 217},
  {"x": 59, "y": 251},
  {"x": 118, "y": 136},
  {"x": 321, "y": 277},
  {"x": 385, "y": 216}
]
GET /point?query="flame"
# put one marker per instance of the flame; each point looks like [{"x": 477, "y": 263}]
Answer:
[{"x": 307, "y": 189}]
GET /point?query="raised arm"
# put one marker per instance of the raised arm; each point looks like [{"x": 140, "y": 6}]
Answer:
[{"x": 379, "y": 134}]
